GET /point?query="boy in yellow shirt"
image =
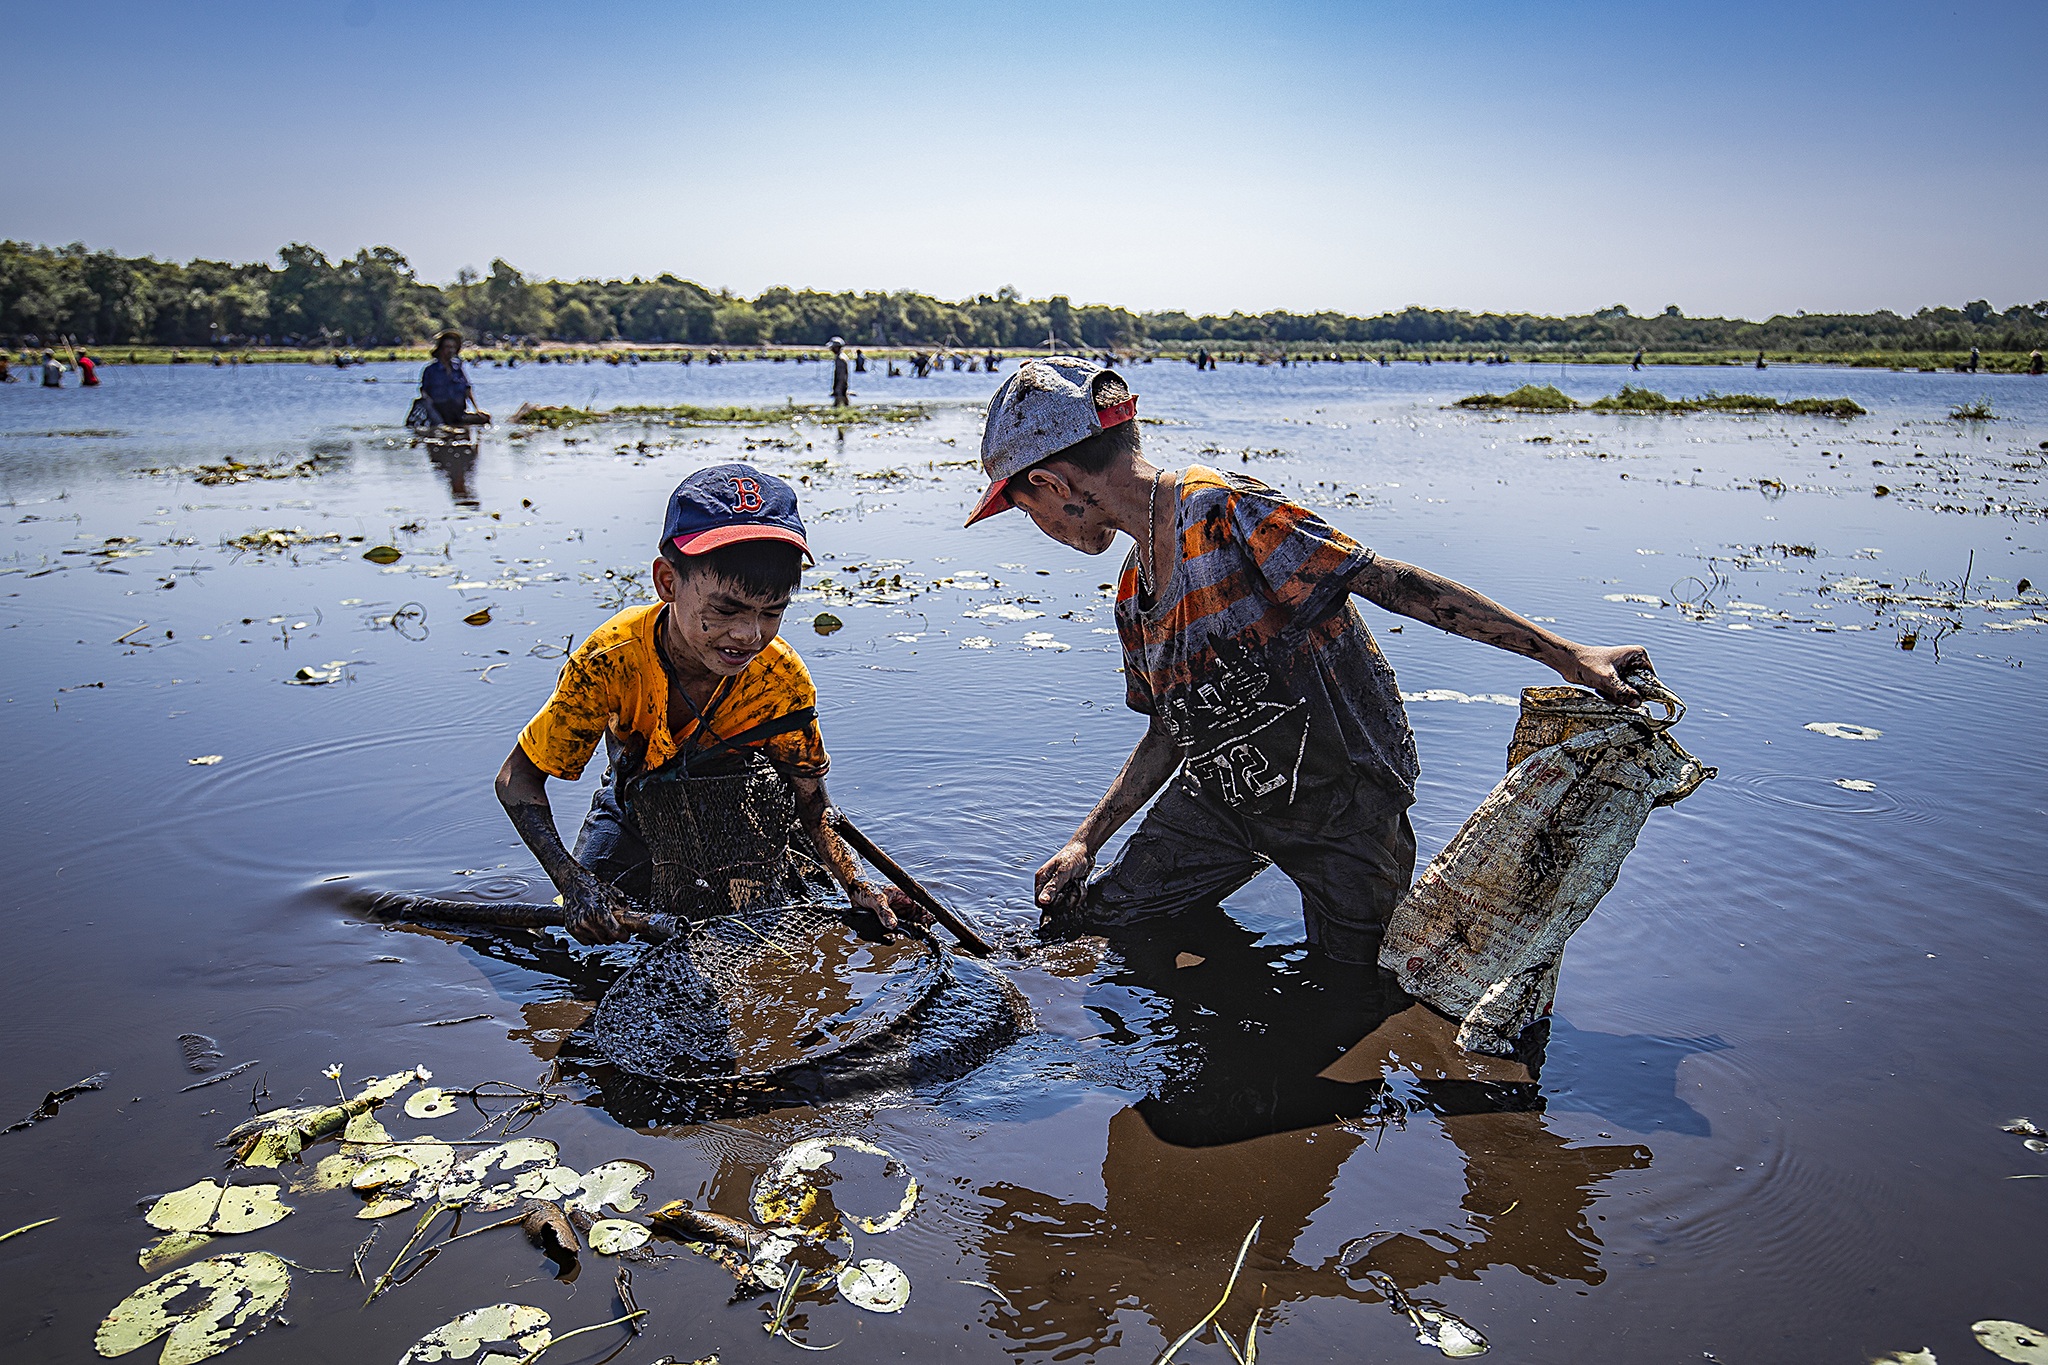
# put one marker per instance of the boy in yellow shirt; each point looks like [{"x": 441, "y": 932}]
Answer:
[{"x": 699, "y": 677}]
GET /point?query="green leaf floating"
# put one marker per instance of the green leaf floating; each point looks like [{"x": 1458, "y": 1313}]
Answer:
[
  {"x": 209, "y": 1207},
  {"x": 383, "y": 554},
  {"x": 461, "y": 1339},
  {"x": 243, "y": 1292}
]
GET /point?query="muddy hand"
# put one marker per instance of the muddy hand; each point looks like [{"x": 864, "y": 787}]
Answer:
[
  {"x": 883, "y": 905},
  {"x": 593, "y": 911},
  {"x": 1601, "y": 668},
  {"x": 1062, "y": 880}
]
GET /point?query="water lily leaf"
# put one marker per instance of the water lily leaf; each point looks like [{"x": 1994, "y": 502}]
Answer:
[
  {"x": 616, "y": 1236},
  {"x": 519, "y": 1170},
  {"x": 825, "y": 623},
  {"x": 500, "y": 1324},
  {"x": 480, "y": 617},
  {"x": 1837, "y": 730},
  {"x": 210, "y": 1207},
  {"x": 430, "y": 1102},
  {"x": 385, "y": 1087},
  {"x": 435, "y": 1159},
  {"x": 243, "y": 1292},
  {"x": 877, "y": 1286},
  {"x": 2014, "y": 1341},
  {"x": 204, "y": 760},
  {"x": 333, "y": 1171},
  {"x": 186, "y": 1210},
  {"x": 245, "y": 1208},
  {"x": 614, "y": 1185},
  {"x": 1450, "y": 1334},
  {"x": 172, "y": 1246},
  {"x": 787, "y": 1192},
  {"x": 385, "y": 1170},
  {"x": 364, "y": 1127},
  {"x": 383, "y": 554},
  {"x": 1923, "y": 1356},
  {"x": 383, "y": 1206}
]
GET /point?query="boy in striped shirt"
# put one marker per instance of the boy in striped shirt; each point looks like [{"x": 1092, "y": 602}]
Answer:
[{"x": 1265, "y": 690}]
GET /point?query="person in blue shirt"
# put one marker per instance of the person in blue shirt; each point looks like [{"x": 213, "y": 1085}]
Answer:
[{"x": 447, "y": 387}]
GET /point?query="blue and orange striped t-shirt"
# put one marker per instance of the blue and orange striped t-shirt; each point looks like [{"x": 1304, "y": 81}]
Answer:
[{"x": 1254, "y": 657}]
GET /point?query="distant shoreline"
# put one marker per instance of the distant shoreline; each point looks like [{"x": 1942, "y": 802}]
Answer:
[{"x": 552, "y": 353}]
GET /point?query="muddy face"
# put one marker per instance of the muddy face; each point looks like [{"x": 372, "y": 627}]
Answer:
[
  {"x": 1066, "y": 512},
  {"x": 715, "y": 626}
]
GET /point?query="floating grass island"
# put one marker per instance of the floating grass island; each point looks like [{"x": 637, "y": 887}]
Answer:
[
  {"x": 1550, "y": 398},
  {"x": 687, "y": 415}
]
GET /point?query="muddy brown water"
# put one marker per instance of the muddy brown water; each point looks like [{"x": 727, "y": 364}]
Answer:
[{"x": 1765, "y": 1124}]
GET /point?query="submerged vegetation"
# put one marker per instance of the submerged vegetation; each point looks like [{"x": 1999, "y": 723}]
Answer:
[
  {"x": 1549, "y": 398},
  {"x": 689, "y": 415}
]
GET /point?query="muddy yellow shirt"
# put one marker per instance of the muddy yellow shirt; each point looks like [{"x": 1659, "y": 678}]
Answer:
[{"x": 614, "y": 681}]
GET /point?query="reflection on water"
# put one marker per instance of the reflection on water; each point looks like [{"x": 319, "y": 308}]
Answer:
[{"x": 1785, "y": 1039}]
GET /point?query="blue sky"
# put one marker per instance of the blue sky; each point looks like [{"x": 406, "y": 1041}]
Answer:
[{"x": 1730, "y": 158}]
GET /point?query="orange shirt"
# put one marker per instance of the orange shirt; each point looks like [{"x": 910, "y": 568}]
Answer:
[{"x": 614, "y": 681}]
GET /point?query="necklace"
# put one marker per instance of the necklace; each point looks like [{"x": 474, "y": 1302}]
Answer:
[{"x": 1151, "y": 519}]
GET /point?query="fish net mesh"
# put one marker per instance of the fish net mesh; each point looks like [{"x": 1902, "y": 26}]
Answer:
[
  {"x": 761, "y": 994},
  {"x": 722, "y": 844}
]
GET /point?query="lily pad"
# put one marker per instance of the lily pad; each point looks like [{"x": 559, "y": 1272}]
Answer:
[
  {"x": 615, "y": 1236},
  {"x": 787, "y": 1192},
  {"x": 383, "y": 554},
  {"x": 878, "y": 1286},
  {"x": 1837, "y": 730},
  {"x": 2014, "y": 1341},
  {"x": 243, "y": 1292},
  {"x": 825, "y": 623},
  {"x": 501, "y": 1323},
  {"x": 211, "y": 1207},
  {"x": 502, "y": 1175},
  {"x": 430, "y": 1102},
  {"x": 614, "y": 1185},
  {"x": 172, "y": 1246},
  {"x": 383, "y": 1206},
  {"x": 1923, "y": 1356},
  {"x": 480, "y": 617},
  {"x": 384, "y": 1171}
]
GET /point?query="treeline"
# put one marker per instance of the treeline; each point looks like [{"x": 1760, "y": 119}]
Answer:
[{"x": 373, "y": 298}]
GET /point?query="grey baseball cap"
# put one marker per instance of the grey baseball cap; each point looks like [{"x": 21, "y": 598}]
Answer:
[{"x": 1046, "y": 406}]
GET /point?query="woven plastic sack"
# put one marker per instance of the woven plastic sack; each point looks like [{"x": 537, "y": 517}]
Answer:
[{"x": 1480, "y": 934}]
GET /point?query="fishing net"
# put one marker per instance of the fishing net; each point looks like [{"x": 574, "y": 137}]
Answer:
[
  {"x": 759, "y": 989},
  {"x": 761, "y": 993},
  {"x": 722, "y": 843},
  {"x": 1481, "y": 933}
]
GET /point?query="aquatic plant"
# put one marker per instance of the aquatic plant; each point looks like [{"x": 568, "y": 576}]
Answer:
[
  {"x": 1976, "y": 411},
  {"x": 1633, "y": 399},
  {"x": 1528, "y": 398}
]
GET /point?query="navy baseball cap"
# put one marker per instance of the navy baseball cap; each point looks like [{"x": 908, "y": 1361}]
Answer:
[{"x": 727, "y": 503}]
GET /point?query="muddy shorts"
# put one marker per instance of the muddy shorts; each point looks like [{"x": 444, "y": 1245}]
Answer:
[{"x": 1348, "y": 847}]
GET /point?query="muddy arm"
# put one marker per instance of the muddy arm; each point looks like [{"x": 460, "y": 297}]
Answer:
[
  {"x": 811, "y": 806},
  {"x": 1065, "y": 875},
  {"x": 592, "y": 907},
  {"x": 1451, "y": 606}
]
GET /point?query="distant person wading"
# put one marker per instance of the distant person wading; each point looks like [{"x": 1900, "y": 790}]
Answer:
[
  {"x": 447, "y": 387},
  {"x": 53, "y": 371},
  {"x": 841, "y": 394}
]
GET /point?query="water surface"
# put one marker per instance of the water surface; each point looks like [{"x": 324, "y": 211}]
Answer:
[{"x": 1765, "y": 1124}]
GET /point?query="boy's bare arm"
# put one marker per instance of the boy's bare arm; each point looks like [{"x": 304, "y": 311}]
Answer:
[
  {"x": 1451, "y": 606},
  {"x": 591, "y": 906},
  {"x": 1065, "y": 875}
]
